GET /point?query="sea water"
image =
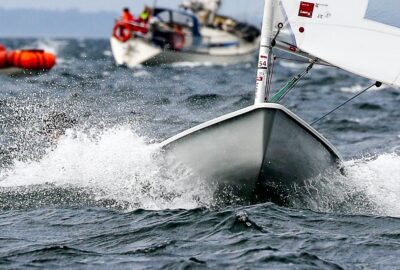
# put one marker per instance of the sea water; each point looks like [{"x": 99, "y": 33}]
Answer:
[{"x": 82, "y": 185}]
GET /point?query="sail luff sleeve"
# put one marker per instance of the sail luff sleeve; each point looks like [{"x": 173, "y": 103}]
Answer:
[{"x": 360, "y": 36}]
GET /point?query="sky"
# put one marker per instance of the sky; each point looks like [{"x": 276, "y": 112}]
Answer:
[
  {"x": 230, "y": 7},
  {"x": 93, "y": 18}
]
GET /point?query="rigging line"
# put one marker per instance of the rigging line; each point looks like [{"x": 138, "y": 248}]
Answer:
[
  {"x": 377, "y": 84},
  {"x": 292, "y": 83},
  {"x": 271, "y": 74},
  {"x": 296, "y": 80}
]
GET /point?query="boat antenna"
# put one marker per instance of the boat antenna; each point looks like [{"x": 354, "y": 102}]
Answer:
[
  {"x": 154, "y": 4},
  {"x": 265, "y": 60}
]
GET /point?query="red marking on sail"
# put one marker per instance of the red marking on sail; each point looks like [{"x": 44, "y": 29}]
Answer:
[
  {"x": 306, "y": 9},
  {"x": 264, "y": 56}
]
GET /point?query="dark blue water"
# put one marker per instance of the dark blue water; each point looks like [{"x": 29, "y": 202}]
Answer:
[{"x": 81, "y": 185}]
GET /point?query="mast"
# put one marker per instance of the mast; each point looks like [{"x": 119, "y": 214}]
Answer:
[{"x": 265, "y": 56}]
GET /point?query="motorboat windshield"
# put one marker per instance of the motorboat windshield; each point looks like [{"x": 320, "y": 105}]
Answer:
[{"x": 180, "y": 18}]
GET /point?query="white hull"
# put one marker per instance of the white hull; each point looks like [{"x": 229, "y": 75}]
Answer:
[
  {"x": 138, "y": 51},
  {"x": 133, "y": 52},
  {"x": 260, "y": 153}
]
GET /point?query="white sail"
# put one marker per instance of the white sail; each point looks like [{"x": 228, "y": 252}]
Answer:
[{"x": 360, "y": 36}]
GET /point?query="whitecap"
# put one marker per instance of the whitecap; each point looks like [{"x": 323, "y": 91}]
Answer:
[
  {"x": 358, "y": 88},
  {"x": 192, "y": 64},
  {"x": 141, "y": 74}
]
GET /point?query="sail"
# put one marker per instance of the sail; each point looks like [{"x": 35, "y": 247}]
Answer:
[{"x": 360, "y": 36}]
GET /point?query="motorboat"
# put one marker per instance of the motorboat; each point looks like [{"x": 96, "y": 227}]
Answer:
[{"x": 178, "y": 36}]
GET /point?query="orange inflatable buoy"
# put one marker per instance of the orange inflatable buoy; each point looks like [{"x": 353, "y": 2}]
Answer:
[
  {"x": 122, "y": 31},
  {"x": 3, "y": 59},
  {"x": 29, "y": 59}
]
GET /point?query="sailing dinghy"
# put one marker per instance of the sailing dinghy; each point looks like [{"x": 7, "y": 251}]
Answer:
[{"x": 265, "y": 152}]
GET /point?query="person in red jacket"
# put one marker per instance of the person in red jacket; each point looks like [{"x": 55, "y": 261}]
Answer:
[
  {"x": 127, "y": 16},
  {"x": 124, "y": 26}
]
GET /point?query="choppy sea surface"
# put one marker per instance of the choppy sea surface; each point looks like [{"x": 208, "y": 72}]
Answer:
[{"x": 81, "y": 186}]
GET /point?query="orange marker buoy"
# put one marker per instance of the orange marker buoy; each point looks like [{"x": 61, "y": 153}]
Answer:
[
  {"x": 26, "y": 59},
  {"x": 3, "y": 59},
  {"x": 31, "y": 59}
]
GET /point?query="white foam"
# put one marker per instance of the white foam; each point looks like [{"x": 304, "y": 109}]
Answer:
[
  {"x": 298, "y": 65},
  {"x": 358, "y": 88},
  {"x": 107, "y": 53},
  {"x": 192, "y": 64},
  {"x": 292, "y": 65},
  {"x": 371, "y": 186},
  {"x": 49, "y": 45},
  {"x": 117, "y": 165},
  {"x": 379, "y": 179},
  {"x": 141, "y": 73}
]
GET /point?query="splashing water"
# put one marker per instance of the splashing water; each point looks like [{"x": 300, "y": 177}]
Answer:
[
  {"x": 379, "y": 178},
  {"x": 116, "y": 165},
  {"x": 50, "y": 45},
  {"x": 119, "y": 166},
  {"x": 370, "y": 186}
]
